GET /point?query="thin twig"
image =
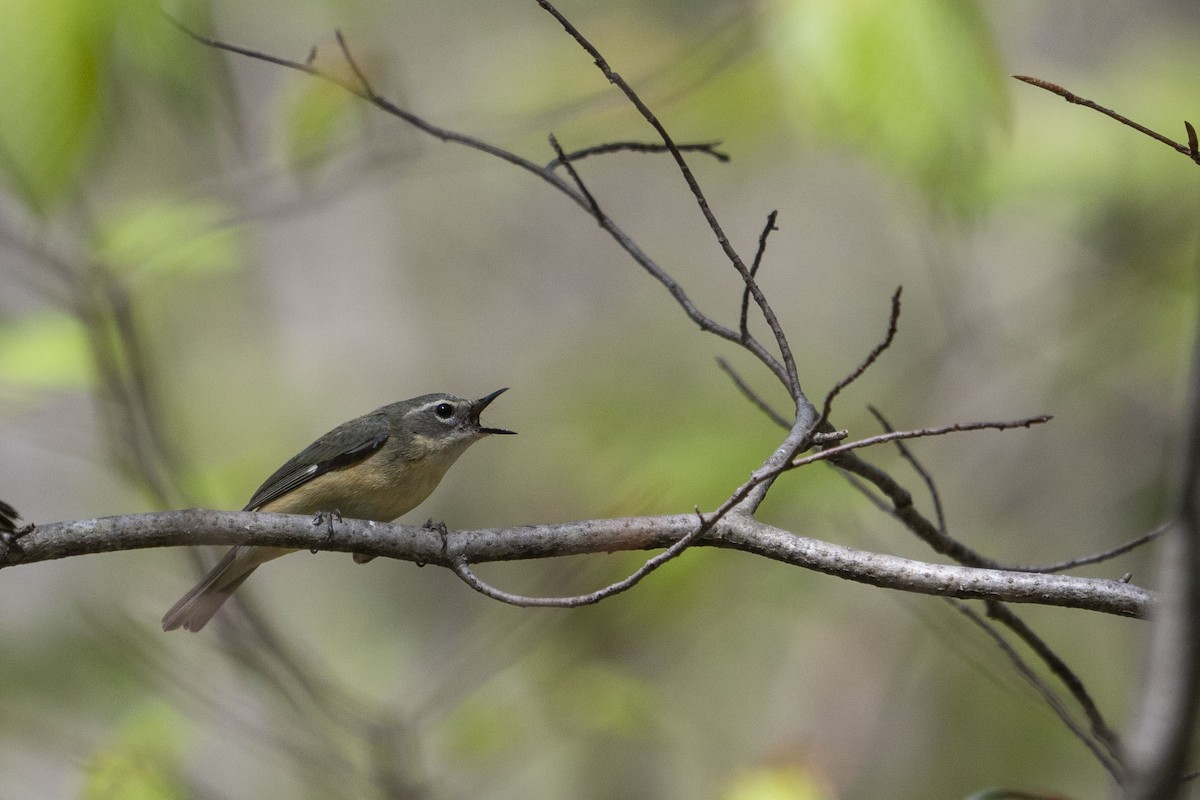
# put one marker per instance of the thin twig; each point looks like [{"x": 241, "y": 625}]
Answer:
[
  {"x": 709, "y": 148},
  {"x": 1096, "y": 558},
  {"x": 1100, "y": 728},
  {"x": 751, "y": 395},
  {"x": 1048, "y": 695},
  {"x": 579, "y": 184},
  {"x": 908, "y": 455},
  {"x": 743, "y": 325},
  {"x": 906, "y": 512},
  {"x": 549, "y": 176},
  {"x": 789, "y": 363},
  {"x": 876, "y": 352},
  {"x": 774, "y": 465},
  {"x": 1190, "y": 150},
  {"x": 919, "y": 433}
]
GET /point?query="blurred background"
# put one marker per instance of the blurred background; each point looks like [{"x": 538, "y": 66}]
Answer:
[{"x": 206, "y": 262}]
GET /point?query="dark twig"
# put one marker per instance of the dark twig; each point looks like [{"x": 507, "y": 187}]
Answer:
[
  {"x": 903, "y": 509},
  {"x": 891, "y": 436},
  {"x": 745, "y": 493},
  {"x": 1096, "y": 558},
  {"x": 709, "y": 148},
  {"x": 876, "y": 352},
  {"x": 743, "y": 325},
  {"x": 366, "y": 92},
  {"x": 1100, "y": 728},
  {"x": 792, "y": 381},
  {"x": 1190, "y": 150},
  {"x": 1048, "y": 695},
  {"x": 1006, "y": 616},
  {"x": 907, "y": 513},
  {"x": 593, "y": 206},
  {"x": 751, "y": 395},
  {"x": 908, "y": 455}
]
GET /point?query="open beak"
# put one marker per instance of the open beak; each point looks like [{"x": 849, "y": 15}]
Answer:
[{"x": 477, "y": 408}]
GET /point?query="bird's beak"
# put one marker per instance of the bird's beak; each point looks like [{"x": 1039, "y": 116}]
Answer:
[{"x": 477, "y": 408}]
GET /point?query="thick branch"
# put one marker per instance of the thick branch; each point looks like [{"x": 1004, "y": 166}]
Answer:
[{"x": 423, "y": 545}]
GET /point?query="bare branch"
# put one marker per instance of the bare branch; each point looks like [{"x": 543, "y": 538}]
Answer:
[
  {"x": 792, "y": 379},
  {"x": 919, "y": 468},
  {"x": 1047, "y": 694},
  {"x": 735, "y": 531},
  {"x": 876, "y": 352},
  {"x": 1104, "y": 734},
  {"x": 892, "y": 436},
  {"x": 593, "y": 206},
  {"x": 1190, "y": 150},
  {"x": 1096, "y": 558},
  {"x": 709, "y": 148},
  {"x": 743, "y": 325}
]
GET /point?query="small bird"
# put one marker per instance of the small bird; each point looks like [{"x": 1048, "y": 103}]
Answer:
[{"x": 376, "y": 467}]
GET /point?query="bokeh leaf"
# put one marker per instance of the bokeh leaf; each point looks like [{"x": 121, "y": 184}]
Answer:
[
  {"x": 170, "y": 236},
  {"x": 50, "y": 56},
  {"x": 142, "y": 761},
  {"x": 787, "y": 782},
  {"x": 917, "y": 86},
  {"x": 319, "y": 117},
  {"x": 46, "y": 350}
]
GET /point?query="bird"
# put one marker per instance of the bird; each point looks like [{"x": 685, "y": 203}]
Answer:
[{"x": 375, "y": 467}]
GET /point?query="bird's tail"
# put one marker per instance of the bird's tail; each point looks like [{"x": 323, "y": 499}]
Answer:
[{"x": 197, "y": 607}]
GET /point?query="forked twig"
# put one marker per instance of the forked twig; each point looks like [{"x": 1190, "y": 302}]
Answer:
[{"x": 792, "y": 381}]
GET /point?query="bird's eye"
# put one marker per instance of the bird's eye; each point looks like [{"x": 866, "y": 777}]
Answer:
[{"x": 444, "y": 410}]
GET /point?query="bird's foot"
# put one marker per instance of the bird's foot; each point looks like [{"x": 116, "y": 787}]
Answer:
[
  {"x": 326, "y": 518},
  {"x": 442, "y": 530},
  {"x": 10, "y": 540}
]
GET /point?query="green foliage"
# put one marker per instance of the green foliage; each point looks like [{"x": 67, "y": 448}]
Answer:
[
  {"x": 50, "y": 93},
  {"x": 916, "y": 86},
  {"x": 777, "y": 783},
  {"x": 604, "y": 698},
  {"x": 169, "y": 237},
  {"x": 142, "y": 762},
  {"x": 319, "y": 118},
  {"x": 46, "y": 350}
]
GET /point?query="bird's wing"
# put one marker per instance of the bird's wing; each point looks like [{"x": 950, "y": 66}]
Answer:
[
  {"x": 8, "y": 518},
  {"x": 346, "y": 444}
]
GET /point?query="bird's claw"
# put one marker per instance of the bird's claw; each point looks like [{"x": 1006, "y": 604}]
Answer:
[
  {"x": 10, "y": 540},
  {"x": 442, "y": 530},
  {"x": 326, "y": 518}
]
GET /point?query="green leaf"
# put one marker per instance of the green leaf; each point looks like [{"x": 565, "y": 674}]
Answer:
[
  {"x": 49, "y": 94},
  {"x": 47, "y": 350},
  {"x": 786, "y": 782},
  {"x": 142, "y": 761},
  {"x": 170, "y": 236},
  {"x": 916, "y": 86},
  {"x": 319, "y": 117}
]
